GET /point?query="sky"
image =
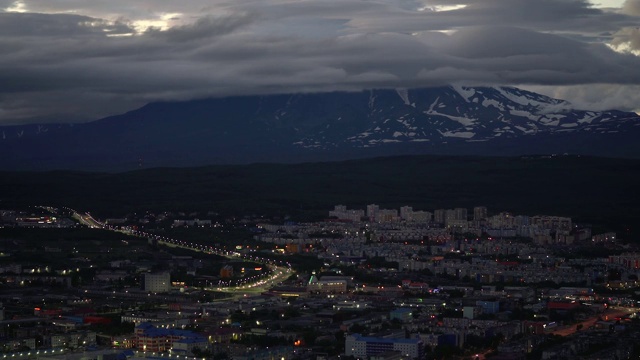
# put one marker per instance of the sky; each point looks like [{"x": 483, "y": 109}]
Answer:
[{"x": 80, "y": 60}]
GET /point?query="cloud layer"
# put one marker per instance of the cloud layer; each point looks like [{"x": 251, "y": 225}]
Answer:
[{"x": 77, "y": 60}]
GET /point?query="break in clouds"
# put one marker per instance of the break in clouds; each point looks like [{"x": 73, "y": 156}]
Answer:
[{"x": 78, "y": 60}]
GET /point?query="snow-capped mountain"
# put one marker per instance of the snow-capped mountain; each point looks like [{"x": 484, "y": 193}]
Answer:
[
  {"x": 325, "y": 126},
  {"x": 469, "y": 114}
]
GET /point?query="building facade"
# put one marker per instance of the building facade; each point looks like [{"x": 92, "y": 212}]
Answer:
[
  {"x": 157, "y": 282},
  {"x": 363, "y": 346}
]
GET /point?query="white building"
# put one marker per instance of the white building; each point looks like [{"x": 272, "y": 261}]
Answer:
[
  {"x": 406, "y": 213},
  {"x": 461, "y": 213},
  {"x": 421, "y": 216},
  {"x": 372, "y": 209},
  {"x": 386, "y": 215},
  {"x": 341, "y": 212},
  {"x": 439, "y": 216},
  {"x": 479, "y": 213}
]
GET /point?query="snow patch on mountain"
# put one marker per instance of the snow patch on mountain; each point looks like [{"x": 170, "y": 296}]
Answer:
[
  {"x": 491, "y": 102},
  {"x": 525, "y": 130},
  {"x": 404, "y": 95},
  {"x": 462, "y": 120},
  {"x": 433, "y": 104},
  {"x": 588, "y": 118},
  {"x": 406, "y": 124},
  {"x": 459, "y": 134},
  {"x": 527, "y": 99},
  {"x": 523, "y": 113},
  {"x": 466, "y": 92},
  {"x": 550, "y": 122},
  {"x": 372, "y": 100}
]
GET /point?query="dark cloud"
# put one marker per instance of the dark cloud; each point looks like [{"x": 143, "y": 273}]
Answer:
[
  {"x": 44, "y": 25},
  {"x": 509, "y": 42},
  {"x": 204, "y": 27},
  {"x": 69, "y": 67},
  {"x": 567, "y": 16}
]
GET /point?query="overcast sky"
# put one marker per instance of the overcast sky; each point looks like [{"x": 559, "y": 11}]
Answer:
[{"x": 79, "y": 60}]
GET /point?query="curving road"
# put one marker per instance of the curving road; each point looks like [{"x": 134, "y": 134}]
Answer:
[{"x": 278, "y": 270}]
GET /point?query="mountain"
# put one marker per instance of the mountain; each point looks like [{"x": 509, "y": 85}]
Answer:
[{"x": 452, "y": 120}]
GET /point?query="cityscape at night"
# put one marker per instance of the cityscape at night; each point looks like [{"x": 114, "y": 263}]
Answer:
[{"x": 319, "y": 180}]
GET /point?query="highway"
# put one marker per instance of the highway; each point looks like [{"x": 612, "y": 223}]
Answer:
[
  {"x": 609, "y": 314},
  {"x": 87, "y": 219},
  {"x": 255, "y": 284},
  {"x": 278, "y": 270}
]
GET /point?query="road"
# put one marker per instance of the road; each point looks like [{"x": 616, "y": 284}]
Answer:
[
  {"x": 256, "y": 284},
  {"x": 87, "y": 219},
  {"x": 609, "y": 314},
  {"x": 278, "y": 270}
]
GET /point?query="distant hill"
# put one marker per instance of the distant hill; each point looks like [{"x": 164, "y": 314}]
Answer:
[
  {"x": 452, "y": 120},
  {"x": 597, "y": 190}
]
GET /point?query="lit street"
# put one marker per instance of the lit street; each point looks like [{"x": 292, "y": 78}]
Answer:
[{"x": 278, "y": 271}]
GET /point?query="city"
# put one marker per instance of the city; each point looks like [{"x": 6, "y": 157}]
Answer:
[
  {"x": 319, "y": 180},
  {"x": 369, "y": 283}
]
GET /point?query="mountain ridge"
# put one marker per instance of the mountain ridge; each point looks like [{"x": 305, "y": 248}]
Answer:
[{"x": 455, "y": 120}]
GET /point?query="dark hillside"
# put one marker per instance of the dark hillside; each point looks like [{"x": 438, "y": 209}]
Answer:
[{"x": 590, "y": 189}]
